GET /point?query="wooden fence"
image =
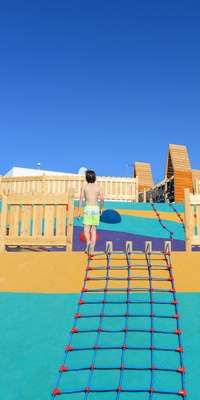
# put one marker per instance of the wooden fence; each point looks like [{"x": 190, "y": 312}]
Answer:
[
  {"x": 192, "y": 219},
  {"x": 36, "y": 220},
  {"x": 114, "y": 188},
  {"x": 39, "y": 211}
]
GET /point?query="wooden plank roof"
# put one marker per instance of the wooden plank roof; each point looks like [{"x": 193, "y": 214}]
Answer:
[
  {"x": 177, "y": 160},
  {"x": 144, "y": 174}
]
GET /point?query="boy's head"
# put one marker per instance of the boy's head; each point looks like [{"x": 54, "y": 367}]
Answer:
[{"x": 90, "y": 176}]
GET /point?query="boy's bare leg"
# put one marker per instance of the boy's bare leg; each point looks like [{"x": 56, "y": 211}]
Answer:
[
  {"x": 93, "y": 236},
  {"x": 86, "y": 231}
]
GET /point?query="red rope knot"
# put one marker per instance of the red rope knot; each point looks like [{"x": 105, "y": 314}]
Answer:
[
  {"x": 119, "y": 389},
  {"x": 88, "y": 268},
  {"x": 77, "y": 315},
  {"x": 92, "y": 366},
  {"x": 181, "y": 369},
  {"x": 122, "y": 366},
  {"x": 87, "y": 389},
  {"x": 101, "y": 314},
  {"x": 182, "y": 392},
  {"x": 84, "y": 290},
  {"x": 177, "y": 316},
  {"x": 174, "y": 302},
  {"x": 177, "y": 331},
  {"x": 153, "y": 367},
  {"x": 56, "y": 391},
  {"x": 96, "y": 347},
  {"x": 68, "y": 348},
  {"x": 169, "y": 266},
  {"x": 151, "y": 390},
  {"x": 179, "y": 349},
  {"x": 81, "y": 302},
  {"x": 124, "y": 346},
  {"x": 74, "y": 330},
  {"x": 63, "y": 368},
  {"x": 171, "y": 278},
  {"x": 87, "y": 278}
]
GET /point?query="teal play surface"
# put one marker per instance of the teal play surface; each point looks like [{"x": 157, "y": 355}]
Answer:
[{"x": 35, "y": 330}]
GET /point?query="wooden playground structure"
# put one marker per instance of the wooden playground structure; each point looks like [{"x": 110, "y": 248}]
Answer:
[{"x": 39, "y": 210}]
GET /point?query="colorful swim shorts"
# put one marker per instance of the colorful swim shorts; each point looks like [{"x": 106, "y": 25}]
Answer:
[{"x": 91, "y": 215}]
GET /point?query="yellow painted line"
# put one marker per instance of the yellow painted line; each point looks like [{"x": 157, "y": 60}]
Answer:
[{"x": 170, "y": 216}]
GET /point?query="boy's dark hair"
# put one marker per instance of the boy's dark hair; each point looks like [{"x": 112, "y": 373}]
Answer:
[{"x": 90, "y": 176}]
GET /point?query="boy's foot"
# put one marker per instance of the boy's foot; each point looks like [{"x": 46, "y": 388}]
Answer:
[{"x": 89, "y": 249}]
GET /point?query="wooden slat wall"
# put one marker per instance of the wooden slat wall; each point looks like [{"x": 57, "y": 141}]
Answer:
[
  {"x": 144, "y": 174},
  {"x": 182, "y": 180},
  {"x": 179, "y": 158}
]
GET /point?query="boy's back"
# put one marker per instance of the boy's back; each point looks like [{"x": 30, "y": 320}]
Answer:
[{"x": 91, "y": 193}]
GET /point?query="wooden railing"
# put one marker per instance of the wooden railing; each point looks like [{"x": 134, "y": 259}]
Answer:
[
  {"x": 36, "y": 220},
  {"x": 197, "y": 186},
  {"x": 192, "y": 219},
  {"x": 114, "y": 188},
  {"x": 162, "y": 192}
]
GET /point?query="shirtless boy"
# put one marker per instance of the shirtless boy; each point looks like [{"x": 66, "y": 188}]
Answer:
[{"x": 91, "y": 193}]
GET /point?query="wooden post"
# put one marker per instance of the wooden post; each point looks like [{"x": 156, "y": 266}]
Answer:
[
  {"x": 187, "y": 218},
  {"x": 144, "y": 195},
  {"x": 70, "y": 226},
  {"x": 3, "y": 222},
  {"x": 167, "y": 246},
  {"x": 1, "y": 186},
  {"x": 129, "y": 246},
  {"x": 136, "y": 190},
  {"x": 110, "y": 246},
  {"x": 148, "y": 246}
]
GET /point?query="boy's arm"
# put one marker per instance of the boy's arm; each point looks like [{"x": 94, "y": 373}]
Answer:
[
  {"x": 101, "y": 200},
  {"x": 80, "y": 203}
]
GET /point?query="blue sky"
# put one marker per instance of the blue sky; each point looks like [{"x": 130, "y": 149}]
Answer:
[{"x": 98, "y": 84}]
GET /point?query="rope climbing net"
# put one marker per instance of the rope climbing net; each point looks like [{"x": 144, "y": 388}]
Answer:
[{"x": 126, "y": 337}]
